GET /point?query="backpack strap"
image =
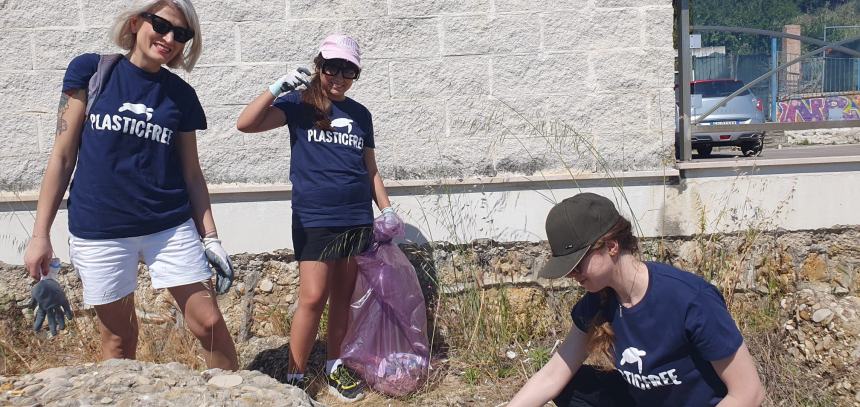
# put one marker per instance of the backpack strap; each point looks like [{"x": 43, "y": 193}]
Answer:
[{"x": 100, "y": 78}]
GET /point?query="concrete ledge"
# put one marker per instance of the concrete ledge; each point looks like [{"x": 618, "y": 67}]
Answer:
[
  {"x": 396, "y": 185},
  {"x": 767, "y": 162}
]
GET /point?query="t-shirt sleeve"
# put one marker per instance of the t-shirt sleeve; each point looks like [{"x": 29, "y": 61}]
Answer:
[
  {"x": 79, "y": 72},
  {"x": 289, "y": 103},
  {"x": 193, "y": 116},
  {"x": 710, "y": 327},
  {"x": 369, "y": 137},
  {"x": 585, "y": 310}
]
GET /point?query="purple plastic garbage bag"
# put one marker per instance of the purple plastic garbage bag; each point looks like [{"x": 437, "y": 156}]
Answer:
[{"x": 386, "y": 341}]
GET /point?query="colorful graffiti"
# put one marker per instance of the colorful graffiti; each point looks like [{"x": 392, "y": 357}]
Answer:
[{"x": 819, "y": 109}]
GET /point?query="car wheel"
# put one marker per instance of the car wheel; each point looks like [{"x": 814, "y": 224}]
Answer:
[
  {"x": 753, "y": 149},
  {"x": 704, "y": 151}
]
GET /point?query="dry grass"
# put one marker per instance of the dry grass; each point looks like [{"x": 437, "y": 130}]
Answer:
[{"x": 23, "y": 352}]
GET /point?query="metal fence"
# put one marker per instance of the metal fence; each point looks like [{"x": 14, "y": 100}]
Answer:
[{"x": 812, "y": 75}]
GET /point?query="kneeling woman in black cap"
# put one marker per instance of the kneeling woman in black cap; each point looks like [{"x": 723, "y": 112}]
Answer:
[{"x": 667, "y": 333}]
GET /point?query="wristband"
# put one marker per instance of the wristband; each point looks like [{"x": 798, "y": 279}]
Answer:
[{"x": 276, "y": 88}]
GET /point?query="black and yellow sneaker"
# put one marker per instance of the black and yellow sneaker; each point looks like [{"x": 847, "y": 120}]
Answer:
[{"x": 345, "y": 384}]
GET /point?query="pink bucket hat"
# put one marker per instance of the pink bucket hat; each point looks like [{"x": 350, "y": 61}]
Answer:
[{"x": 341, "y": 47}]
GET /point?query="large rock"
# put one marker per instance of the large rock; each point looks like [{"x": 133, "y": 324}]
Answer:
[{"x": 130, "y": 383}]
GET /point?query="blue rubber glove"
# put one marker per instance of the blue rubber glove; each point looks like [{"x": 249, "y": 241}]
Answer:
[
  {"x": 52, "y": 304},
  {"x": 220, "y": 262},
  {"x": 291, "y": 81}
]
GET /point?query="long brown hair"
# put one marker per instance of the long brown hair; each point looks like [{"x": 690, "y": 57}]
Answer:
[
  {"x": 601, "y": 337},
  {"x": 316, "y": 98}
]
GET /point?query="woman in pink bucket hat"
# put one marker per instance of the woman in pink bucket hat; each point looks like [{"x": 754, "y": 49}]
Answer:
[{"x": 334, "y": 176}]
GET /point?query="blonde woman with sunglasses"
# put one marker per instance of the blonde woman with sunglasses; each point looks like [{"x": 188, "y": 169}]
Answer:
[
  {"x": 138, "y": 192},
  {"x": 335, "y": 178}
]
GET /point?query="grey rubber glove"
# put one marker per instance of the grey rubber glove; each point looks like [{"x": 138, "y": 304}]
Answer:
[
  {"x": 51, "y": 304},
  {"x": 291, "y": 81},
  {"x": 220, "y": 262}
]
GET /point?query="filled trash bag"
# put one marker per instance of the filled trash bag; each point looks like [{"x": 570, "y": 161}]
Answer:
[{"x": 386, "y": 342}]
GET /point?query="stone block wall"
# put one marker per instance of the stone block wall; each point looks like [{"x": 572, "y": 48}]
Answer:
[{"x": 457, "y": 88}]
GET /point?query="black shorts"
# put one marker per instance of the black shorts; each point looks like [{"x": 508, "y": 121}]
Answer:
[
  {"x": 592, "y": 387},
  {"x": 331, "y": 243}
]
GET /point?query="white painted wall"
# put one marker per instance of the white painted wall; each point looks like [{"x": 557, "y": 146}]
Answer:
[{"x": 457, "y": 88}]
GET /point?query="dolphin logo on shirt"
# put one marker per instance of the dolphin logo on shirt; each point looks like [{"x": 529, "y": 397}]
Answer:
[
  {"x": 632, "y": 355},
  {"x": 137, "y": 108},
  {"x": 342, "y": 122}
]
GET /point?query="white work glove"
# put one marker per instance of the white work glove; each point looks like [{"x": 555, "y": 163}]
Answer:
[
  {"x": 220, "y": 262},
  {"x": 291, "y": 81},
  {"x": 388, "y": 212},
  {"x": 391, "y": 218}
]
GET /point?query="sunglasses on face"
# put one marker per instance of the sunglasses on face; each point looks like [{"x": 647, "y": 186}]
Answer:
[
  {"x": 346, "y": 69},
  {"x": 162, "y": 26}
]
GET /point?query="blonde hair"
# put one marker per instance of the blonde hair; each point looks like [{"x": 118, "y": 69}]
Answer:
[{"x": 122, "y": 36}]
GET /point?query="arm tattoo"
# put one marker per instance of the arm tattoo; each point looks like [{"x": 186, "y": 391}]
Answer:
[{"x": 62, "y": 126}]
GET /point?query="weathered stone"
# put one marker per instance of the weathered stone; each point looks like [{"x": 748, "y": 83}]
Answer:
[
  {"x": 181, "y": 392},
  {"x": 266, "y": 286},
  {"x": 822, "y": 316},
  {"x": 53, "y": 373},
  {"x": 814, "y": 268},
  {"x": 226, "y": 381},
  {"x": 32, "y": 389}
]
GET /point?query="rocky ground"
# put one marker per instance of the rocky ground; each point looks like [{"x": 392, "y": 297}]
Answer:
[{"x": 810, "y": 276}]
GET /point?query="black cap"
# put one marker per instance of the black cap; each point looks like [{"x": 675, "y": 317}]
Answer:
[{"x": 572, "y": 226}]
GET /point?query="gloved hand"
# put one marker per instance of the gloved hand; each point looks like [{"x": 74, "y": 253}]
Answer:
[
  {"x": 291, "y": 81},
  {"x": 52, "y": 305},
  {"x": 220, "y": 261},
  {"x": 388, "y": 213},
  {"x": 387, "y": 226}
]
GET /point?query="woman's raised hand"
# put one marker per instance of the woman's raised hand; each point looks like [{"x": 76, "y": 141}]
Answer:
[{"x": 289, "y": 82}]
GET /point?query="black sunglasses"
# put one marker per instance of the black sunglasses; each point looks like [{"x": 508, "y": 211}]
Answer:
[
  {"x": 332, "y": 67},
  {"x": 163, "y": 27}
]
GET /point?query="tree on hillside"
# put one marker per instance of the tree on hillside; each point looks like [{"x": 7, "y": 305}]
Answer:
[
  {"x": 808, "y": 6},
  {"x": 845, "y": 14},
  {"x": 763, "y": 14}
]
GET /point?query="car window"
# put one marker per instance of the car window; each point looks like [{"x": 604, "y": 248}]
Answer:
[{"x": 716, "y": 88}]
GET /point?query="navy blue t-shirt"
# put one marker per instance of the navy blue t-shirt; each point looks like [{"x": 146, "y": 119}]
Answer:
[
  {"x": 664, "y": 345},
  {"x": 331, "y": 186},
  {"x": 128, "y": 180}
]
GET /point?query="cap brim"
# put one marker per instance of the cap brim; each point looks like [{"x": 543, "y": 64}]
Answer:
[
  {"x": 338, "y": 54},
  {"x": 560, "y": 266}
]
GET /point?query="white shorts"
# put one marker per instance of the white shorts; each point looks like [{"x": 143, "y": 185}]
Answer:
[{"x": 108, "y": 267}]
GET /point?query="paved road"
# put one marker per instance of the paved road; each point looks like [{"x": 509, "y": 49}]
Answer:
[{"x": 785, "y": 152}]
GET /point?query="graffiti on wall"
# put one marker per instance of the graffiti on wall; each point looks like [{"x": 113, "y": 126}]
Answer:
[{"x": 819, "y": 109}]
